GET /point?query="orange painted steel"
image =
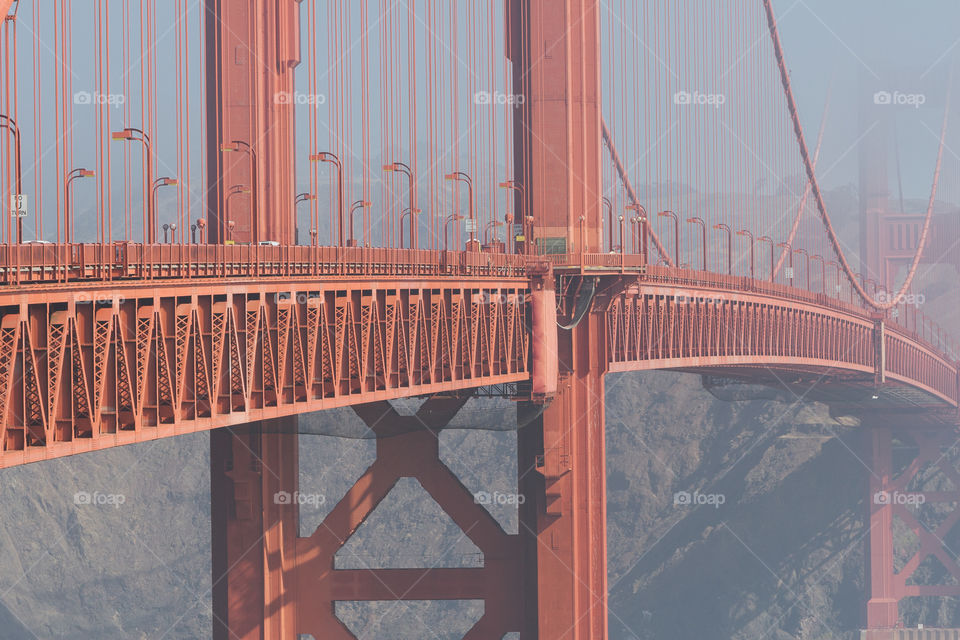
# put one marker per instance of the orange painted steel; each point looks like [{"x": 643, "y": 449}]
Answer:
[
  {"x": 86, "y": 369},
  {"x": 890, "y": 494},
  {"x": 272, "y": 583}
]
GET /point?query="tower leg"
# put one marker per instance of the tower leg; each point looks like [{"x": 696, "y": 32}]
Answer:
[
  {"x": 254, "y": 518},
  {"x": 562, "y": 464},
  {"x": 882, "y": 603},
  {"x": 901, "y": 493}
]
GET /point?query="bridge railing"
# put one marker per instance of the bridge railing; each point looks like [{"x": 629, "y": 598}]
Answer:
[{"x": 44, "y": 263}]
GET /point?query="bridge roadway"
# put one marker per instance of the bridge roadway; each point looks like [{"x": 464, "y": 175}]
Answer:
[{"x": 101, "y": 347}]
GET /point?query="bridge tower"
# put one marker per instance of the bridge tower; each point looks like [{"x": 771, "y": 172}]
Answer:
[
  {"x": 549, "y": 581},
  {"x": 889, "y": 229}
]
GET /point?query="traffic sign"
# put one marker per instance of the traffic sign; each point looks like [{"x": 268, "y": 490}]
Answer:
[{"x": 18, "y": 205}]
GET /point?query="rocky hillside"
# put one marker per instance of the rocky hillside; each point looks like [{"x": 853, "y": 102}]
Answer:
[{"x": 773, "y": 551}]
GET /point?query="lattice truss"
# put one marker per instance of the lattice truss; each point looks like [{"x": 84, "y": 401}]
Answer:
[{"x": 186, "y": 360}]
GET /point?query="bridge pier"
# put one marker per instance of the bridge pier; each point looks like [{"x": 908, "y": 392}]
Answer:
[
  {"x": 895, "y": 492},
  {"x": 253, "y": 476},
  {"x": 563, "y": 464},
  {"x": 272, "y": 584}
]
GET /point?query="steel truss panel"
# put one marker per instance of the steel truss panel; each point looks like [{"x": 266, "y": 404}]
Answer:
[
  {"x": 86, "y": 369},
  {"x": 658, "y": 327}
]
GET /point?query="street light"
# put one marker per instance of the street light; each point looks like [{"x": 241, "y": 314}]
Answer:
[
  {"x": 641, "y": 222},
  {"x": 11, "y": 125},
  {"x": 526, "y": 219},
  {"x": 753, "y": 264},
  {"x": 326, "y": 156},
  {"x": 301, "y": 197},
  {"x": 130, "y": 135},
  {"x": 493, "y": 224},
  {"x": 836, "y": 266},
  {"x": 723, "y": 227},
  {"x": 160, "y": 182},
  {"x": 623, "y": 245},
  {"x": 697, "y": 220},
  {"x": 676, "y": 231},
  {"x": 67, "y": 222},
  {"x": 240, "y": 145},
  {"x": 772, "y": 243},
  {"x": 202, "y": 225},
  {"x": 359, "y": 204},
  {"x": 823, "y": 273},
  {"x": 786, "y": 245},
  {"x": 803, "y": 252},
  {"x": 450, "y": 218},
  {"x": 609, "y": 205},
  {"x": 460, "y": 176},
  {"x": 234, "y": 190},
  {"x": 400, "y": 167}
]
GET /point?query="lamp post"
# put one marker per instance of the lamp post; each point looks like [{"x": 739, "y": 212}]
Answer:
[
  {"x": 803, "y": 252},
  {"x": 450, "y": 218},
  {"x": 130, "y": 135},
  {"x": 173, "y": 232},
  {"x": 836, "y": 266},
  {"x": 609, "y": 205},
  {"x": 623, "y": 245},
  {"x": 67, "y": 222},
  {"x": 753, "y": 264},
  {"x": 359, "y": 204},
  {"x": 697, "y": 220},
  {"x": 230, "y": 224},
  {"x": 676, "y": 232},
  {"x": 326, "y": 156},
  {"x": 493, "y": 224},
  {"x": 462, "y": 177},
  {"x": 527, "y": 220},
  {"x": 772, "y": 243},
  {"x": 160, "y": 182},
  {"x": 240, "y": 145},
  {"x": 723, "y": 227},
  {"x": 400, "y": 167},
  {"x": 301, "y": 197},
  {"x": 411, "y": 213},
  {"x": 641, "y": 221},
  {"x": 823, "y": 273},
  {"x": 11, "y": 125},
  {"x": 786, "y": 245},
  {"x": 202, "y": 225}
]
